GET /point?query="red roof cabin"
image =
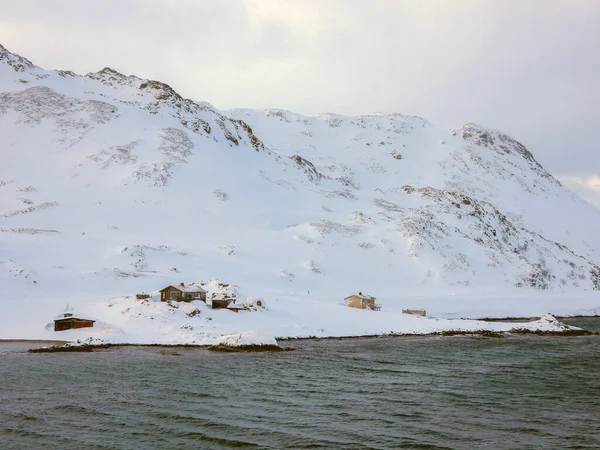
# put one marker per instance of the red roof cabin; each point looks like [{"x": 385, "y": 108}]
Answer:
[{"x": 69, "y": 322}]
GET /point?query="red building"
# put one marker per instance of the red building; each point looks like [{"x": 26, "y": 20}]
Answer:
[{"x": 68, "y": 322}]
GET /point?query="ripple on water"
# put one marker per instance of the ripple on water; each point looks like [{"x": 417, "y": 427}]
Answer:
[{"x": 360, "y": 393}]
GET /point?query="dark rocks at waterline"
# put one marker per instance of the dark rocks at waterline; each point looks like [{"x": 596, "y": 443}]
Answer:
[
  {"x": 69, "y": 348},
  {"x": 248, "y": 348},
  {"x": 217, "y": 348}
]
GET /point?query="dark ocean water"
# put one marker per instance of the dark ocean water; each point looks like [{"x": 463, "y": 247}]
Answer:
[{"x": 417, "y": 392}]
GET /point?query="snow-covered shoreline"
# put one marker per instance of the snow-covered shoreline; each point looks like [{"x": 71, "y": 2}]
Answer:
[
  {"x": 127, "y": 321},
  {"x": 149, "y": 321},
  {"x": 256, "y": 341},
  {"x": 448, "y": 332}
]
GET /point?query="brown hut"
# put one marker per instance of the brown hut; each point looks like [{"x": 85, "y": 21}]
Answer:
[
  {"x": 182, "y": 293},
  {"x": 415, "y": 312},
  {"x": 362, "y": 301},
  {"x": 222, "y": 303},
  {"x": 69, "y": 322}
]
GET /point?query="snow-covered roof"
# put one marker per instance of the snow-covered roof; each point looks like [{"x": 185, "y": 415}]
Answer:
[
  {"x": 236, "y": 306},
  {"x": 180, "y": 288},
  {"x": 73, "y": 317},
  {"x": 361, "y": 295}
]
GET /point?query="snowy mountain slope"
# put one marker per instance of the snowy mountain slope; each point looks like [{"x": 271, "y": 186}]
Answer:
[
  {"x": 112, "y": 184},
  {"x": 453, "y": 195}
]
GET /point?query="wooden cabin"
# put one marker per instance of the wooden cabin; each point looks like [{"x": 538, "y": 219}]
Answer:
[
  {"x": 69, "y": 322},
  {"x": 362, "y": 301},
  {"x": 415, "y": 312},
  {"x": 182, "y": 293},
  {"x": 222, "y": 303}
]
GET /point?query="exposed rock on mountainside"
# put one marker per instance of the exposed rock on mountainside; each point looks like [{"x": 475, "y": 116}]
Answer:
[
  {"x": 16, "y": 62},
  {"x": 502, "y": 143},
  {"x": 195, "y": 116}
]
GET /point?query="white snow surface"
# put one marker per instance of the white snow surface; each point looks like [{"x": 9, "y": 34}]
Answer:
[
  {"x": 112, "y": 185},
  {"x": 248, "y": 338}
]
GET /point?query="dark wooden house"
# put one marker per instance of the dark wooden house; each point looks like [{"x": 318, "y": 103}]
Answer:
[
  {"x": 222, "y": 303},
  {"x": 182, "y": 293},
  {"x": 69, "y": 322}
]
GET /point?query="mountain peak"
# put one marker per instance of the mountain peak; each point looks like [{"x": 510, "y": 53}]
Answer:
[
  {"x": 502, "y": 144},
  {"x": 160, "y": 90},
  {"x": 17, "y": 62}
]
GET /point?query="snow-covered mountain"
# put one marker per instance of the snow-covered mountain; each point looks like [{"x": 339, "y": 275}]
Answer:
[{"x": 112, "y": 184}]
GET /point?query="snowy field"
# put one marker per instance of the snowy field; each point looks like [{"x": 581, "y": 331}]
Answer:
[{"x": 112, "y": 185}]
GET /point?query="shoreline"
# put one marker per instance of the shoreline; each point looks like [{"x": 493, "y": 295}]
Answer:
[
  {"x": 33, "y": 341},
  {"x": 487, "y": 319},
  {"x": 450, "y": 333},
  {"x": 65, "y": 348},
  {"x": 57, "y": 345},
  {"x": 217, "y": 348},
  {"x": 528, "y": 319}
]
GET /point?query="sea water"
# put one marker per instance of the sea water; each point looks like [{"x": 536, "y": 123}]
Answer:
[{"x": 380, "y": 393}]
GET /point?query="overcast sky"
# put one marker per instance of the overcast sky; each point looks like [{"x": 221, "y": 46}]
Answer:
[{"x": 530, "y": 68}]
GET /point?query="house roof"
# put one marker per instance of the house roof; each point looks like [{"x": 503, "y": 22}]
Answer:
[
  {"x": 193, "y": 288},
  {"x": 236, "y": 306},
  {"x": 73, "y": 318},
  {"x": 363, "y": 296}
]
